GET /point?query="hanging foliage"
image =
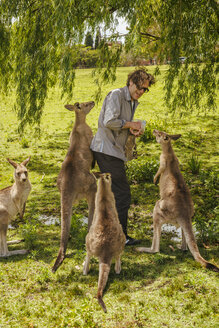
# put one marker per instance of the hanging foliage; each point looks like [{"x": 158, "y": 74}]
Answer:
[{"x": 39, "y": 40}]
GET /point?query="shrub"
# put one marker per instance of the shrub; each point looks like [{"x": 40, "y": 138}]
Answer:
[
  {"x": 24, "y": 143},
  {"x": 207, "y": 227},
  {"x": 142, "y": 170},
  {"x": 207, "y": 210},
  {"x": 150, "y": 126},
  {"x": 210, "y": 179},
  {"x": 194, "y": 164},
  {"x": 30, "y": 234}
]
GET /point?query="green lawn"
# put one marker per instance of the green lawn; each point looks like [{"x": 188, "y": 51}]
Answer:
[{"x": 168, "y": 289}]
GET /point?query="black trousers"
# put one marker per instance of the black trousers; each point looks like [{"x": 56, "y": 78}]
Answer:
[{"x": 120, "y": 186}]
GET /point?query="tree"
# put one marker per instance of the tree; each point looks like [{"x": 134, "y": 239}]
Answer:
[
  {"x": 97, "y": 39},
  {"x": 89, "y": 40},
  {"x": 37, "y": 42}
]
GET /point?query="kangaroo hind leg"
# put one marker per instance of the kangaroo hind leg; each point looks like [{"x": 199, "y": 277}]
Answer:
[
  {"x": 4, "y": 220},
  {"x": 184, "y": 243},
  {"x": 86, "y": 265},
  {"x": 4, "y": 252},
  {"x": 91, "y": 203},
  {"x": 118, "y": 265},
  {"x": 67, "y": 200},
  {"x": 158, "y": 220}
]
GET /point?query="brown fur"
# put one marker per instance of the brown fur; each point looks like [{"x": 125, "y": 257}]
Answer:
[
  {"x": 105, "y": 239},
  {"x": 175, "y": 205},
  {"x": 75, "y": 180},
  {"x": 130, "y": 147},
  {"x": 12, "y": 202}
]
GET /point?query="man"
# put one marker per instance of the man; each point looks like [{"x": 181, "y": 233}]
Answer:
[{"x": 108, "y": 145}]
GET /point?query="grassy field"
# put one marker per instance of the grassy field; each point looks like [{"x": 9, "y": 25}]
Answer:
[{"x": 168, "y": 289}]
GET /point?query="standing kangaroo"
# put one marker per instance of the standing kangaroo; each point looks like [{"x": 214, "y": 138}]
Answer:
[
  {"x": 175, "y": 204},
  {"x": 105, "y": 238},
  {"x": 12, "y": 202},
  {"x": 75, "y": 180}
]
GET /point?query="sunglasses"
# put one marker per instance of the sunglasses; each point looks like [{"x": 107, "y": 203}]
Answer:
[{"x": 144, "y": 89}]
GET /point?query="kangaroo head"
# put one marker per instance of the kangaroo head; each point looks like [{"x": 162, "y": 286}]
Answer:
[
  {"x": 104, "y": 179},
  {"x": 82, "y": 107},
  {"x": 20, "y": 172},
  {"x": 164, "y": 138}
]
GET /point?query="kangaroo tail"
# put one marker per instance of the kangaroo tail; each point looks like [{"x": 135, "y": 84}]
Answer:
[
  {"x": 190, "y": 239},
  {"x": 66, "y": 212},
  {"x": 104, "y": 269}
]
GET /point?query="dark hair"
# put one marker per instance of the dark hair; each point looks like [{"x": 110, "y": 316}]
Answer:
[{"x": 139, "y": 76}]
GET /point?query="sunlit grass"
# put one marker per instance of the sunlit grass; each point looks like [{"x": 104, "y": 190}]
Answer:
[{"x": 168, "y": 289}]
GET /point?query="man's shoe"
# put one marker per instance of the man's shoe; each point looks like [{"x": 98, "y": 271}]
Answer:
[{"x": 131, "y": 241}]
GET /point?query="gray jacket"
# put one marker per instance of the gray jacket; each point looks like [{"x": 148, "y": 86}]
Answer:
[{"x": 110, "y": 138}]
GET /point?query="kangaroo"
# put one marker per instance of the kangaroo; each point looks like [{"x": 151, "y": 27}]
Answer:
[
  {"x": 130, "y": 147},
  {"x": 175, "y": 205},
  {"x": 12, "y": 201},
  {"x": 105, "y": 238},
  {"x": 75, "y": 180}
]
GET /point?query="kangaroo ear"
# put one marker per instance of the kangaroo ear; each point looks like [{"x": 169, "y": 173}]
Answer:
[
  {"x": 26, "y": 161},
  {"x": 73, "y": 107},
  {"x": 69, "y": 107},
  {"x": 12, "y": 163},
  {"x": 97, "y": 175},
  {"x": 175, "y": 136}
]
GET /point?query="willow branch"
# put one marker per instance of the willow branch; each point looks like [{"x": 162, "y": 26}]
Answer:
[{"x": 148, "y": 35}]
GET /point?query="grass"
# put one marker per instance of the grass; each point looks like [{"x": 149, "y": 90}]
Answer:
[{"x": 168, "y": 289}]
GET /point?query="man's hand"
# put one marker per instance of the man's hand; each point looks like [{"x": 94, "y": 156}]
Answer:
[{"x": 135, "y": 128}]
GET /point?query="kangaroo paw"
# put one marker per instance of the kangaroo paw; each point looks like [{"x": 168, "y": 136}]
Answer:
[
  {"x": 102, "y": 304},
  {"x": 212, "y": 267},
  {"x": 145, "y": 250},
  {"x": 12, "y": 242},
  {"x": 17, "y": 252},
  {"x": 58, "y": 262}
]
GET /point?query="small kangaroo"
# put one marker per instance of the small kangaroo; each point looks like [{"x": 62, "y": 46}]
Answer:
[
  {"x": 130, "y": 147},
  {"x": 75, "y": 180},
  {"x": 12, "y": 201},
  {"x": 105, "y": 238},
  {"x": 175, "y": 205}
]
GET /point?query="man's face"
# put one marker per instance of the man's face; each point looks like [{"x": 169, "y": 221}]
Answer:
[{"x": 137, "y": 92}]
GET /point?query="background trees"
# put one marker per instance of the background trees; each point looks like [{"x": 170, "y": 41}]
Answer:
[
  {"x": 39, "y": 43},
  {"x": 89, "y": 40}
]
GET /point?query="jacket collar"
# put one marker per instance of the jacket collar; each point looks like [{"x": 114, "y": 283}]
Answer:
[{"x": 127, "y": 95}]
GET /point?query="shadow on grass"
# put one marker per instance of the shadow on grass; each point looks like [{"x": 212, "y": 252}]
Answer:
[
  {"x": 43, "y": 164},
  {"x": 45, "y": 202}
]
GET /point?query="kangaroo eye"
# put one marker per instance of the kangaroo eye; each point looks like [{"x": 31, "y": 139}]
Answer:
[
  {"x": 107, "y": 177},
  {"x": 166, "y": 137},
  {"x": 18, "y": 173}
]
